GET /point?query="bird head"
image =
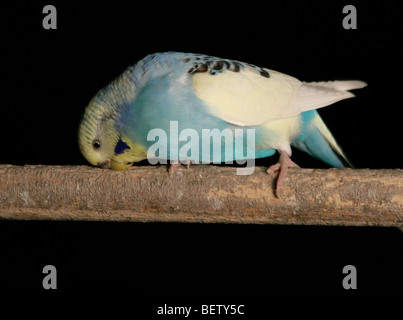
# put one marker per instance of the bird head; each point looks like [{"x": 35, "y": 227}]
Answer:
[{"x": 100, "y": 142}]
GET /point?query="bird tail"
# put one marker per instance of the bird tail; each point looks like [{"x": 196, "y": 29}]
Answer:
[{"x": 320, "y": 144}]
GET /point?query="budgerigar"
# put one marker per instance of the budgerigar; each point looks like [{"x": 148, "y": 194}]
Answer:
[{"x": 201, "y": 92}]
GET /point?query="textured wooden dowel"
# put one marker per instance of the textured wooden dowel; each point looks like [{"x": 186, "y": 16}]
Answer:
[{"x": 202, "y": 193}]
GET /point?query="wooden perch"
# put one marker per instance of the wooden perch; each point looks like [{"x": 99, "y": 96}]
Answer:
[{"x": 202, "y": 193}]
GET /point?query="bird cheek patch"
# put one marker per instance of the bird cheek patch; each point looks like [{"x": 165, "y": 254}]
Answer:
[{"x": 121, "y": 146}]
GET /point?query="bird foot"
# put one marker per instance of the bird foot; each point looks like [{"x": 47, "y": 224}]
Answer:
[
  {"x": 282, "y": 166},
  {"x": 175, "y": 164}
]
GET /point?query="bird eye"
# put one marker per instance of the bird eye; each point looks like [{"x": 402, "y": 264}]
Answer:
[{"x": 96, "y": 144}]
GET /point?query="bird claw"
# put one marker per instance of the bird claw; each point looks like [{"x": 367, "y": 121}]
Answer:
[
  {"x": 175, "y": 164},
  {"x": 172, "y": 167},
  {"x": 283, "y": 164}
]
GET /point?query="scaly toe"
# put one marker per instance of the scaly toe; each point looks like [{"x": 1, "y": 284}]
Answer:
[{"x": 273, "y": 168}]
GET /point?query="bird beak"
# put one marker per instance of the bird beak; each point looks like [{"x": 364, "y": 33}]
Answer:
[{"x": 106, "y": 164}]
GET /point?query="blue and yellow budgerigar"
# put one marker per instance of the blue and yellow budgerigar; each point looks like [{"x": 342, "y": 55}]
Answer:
[{"x": 202, "y": 92}]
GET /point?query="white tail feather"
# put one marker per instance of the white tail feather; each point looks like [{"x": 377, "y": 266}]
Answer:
[
  {"x": 340, "y": 85},
  {"x": 314, "y": 95}
]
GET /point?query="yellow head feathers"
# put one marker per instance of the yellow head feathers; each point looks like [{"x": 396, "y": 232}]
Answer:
[{"x": 100, "y": 142}]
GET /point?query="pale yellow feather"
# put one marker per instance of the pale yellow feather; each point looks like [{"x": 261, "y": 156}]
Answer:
[{"x": 246, "y": 98}]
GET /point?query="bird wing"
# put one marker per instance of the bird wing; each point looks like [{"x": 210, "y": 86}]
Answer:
[{"x": 247, "y": 95}]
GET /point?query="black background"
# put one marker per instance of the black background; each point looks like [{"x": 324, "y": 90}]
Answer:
[{"x": 50, "y": 75}]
